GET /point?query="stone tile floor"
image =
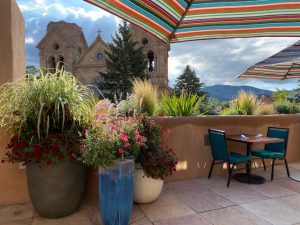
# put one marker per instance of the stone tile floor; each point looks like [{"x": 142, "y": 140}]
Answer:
[{"x": 195, "y": 202}]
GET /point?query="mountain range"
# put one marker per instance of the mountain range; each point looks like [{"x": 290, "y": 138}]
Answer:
[{"x": 228, "y": 92}]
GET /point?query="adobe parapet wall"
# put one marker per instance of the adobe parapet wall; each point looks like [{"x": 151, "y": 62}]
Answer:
[{"x": 189, "y": 139}]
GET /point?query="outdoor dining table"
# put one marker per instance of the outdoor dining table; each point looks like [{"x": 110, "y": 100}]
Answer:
[{"x": 251, "y": 139}]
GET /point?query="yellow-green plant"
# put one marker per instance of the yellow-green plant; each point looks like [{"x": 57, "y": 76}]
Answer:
[
  {"x": 267, "y": 109},
  {"x": 146, "y": 96},
  {"x": 50, "y": 103},
  {"x": 184, "y": 105}
]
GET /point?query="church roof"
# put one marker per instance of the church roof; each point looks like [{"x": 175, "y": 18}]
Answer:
[
  {"x": 70, "y": 32},
  {"x": 97, "y": 39}
]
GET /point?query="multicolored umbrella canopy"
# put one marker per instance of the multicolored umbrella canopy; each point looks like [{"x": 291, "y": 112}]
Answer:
[
  {"x": 283, "y": 65},
  {"x": 186, "y": 20}
]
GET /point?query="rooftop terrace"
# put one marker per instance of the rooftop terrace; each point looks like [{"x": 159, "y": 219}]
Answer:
[{"x": 195, "y": 202}]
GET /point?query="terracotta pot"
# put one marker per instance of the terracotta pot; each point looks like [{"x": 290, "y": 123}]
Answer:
[
  {"x": 56, "y": 190},
  {"x": 146, "y": 189},
  {"x": 116, "y": 193}
]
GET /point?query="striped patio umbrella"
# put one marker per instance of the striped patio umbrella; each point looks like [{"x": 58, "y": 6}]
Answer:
[
  {"x": 186, "y": 20},
  {"x": 283, "y": 65}
]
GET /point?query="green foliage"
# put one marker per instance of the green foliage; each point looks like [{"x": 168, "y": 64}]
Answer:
[
  {"x": 286, "y": 107},
  {"x": 184, "y": 105},
  {"x": 155, "y": 158},
  {"x": 245, "y": 104},
  {"x": 52, "y": 103},
  {"x": 125, "y": 61},
  {"x": 294, "y": 96},
  {"x": 32, "y": 70},
  {"x": 188, "y": 82},
  {"x": 146, "y": 96},
  {"x": 280, "y": 95},
  {"x": 210, "y": 106}
]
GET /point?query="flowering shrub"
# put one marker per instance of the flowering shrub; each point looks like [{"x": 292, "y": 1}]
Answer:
[
  {"x": 27, "y": 148},
  {"x": 156, "y": 159},
  {"x": 112, "y": 139},
  {"x": 46, "y": 114}
]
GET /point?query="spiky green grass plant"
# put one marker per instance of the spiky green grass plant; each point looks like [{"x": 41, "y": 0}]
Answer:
[
  {"x": 146, "y": 96},
  {"x": 184, "y": 105},
  {"x": 50, "y": 103}
]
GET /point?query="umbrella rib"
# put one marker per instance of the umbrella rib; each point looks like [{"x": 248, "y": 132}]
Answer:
[
  {"x": 180, "y": 21},
  {"x": 288, "y": 71}
]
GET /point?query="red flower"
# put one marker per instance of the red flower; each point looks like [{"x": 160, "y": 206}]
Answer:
[{"x": 121, "y": 151}]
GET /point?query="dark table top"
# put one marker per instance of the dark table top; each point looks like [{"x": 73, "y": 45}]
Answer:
[{"x": 253, "y": 140}]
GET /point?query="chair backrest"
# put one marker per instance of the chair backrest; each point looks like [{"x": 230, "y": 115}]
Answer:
[
  {"x": 218, "y": 145},
  {"x": 276, "y": 132}
]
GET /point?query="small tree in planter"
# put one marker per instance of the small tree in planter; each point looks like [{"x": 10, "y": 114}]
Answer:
[
  {"x": 47, "y": 116},
  {"x": 155, "y": 162},
  {"x": 111, "y": 146}
]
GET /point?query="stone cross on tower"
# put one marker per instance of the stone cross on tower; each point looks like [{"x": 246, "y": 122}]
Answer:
[{"x": 99, "y": 32}]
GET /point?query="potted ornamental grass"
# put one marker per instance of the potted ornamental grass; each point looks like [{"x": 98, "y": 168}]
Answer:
[
  {"x": 154, "y": 162},
  {"x": 47, "y": 117},
  {"x": 111, "y": 145}
]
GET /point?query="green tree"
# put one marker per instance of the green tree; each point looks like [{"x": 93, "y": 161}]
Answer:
[
  {"x": 125, "y": 61},
  {"x": 188, "y": 82},
  {"x": 32, "y": 69},
  {"x": 280, "y": 95}
]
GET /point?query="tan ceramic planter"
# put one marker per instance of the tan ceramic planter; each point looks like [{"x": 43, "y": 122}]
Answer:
[{"x": 146, "y": 189}]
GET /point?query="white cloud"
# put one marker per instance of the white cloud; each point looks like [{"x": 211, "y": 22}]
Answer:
[{"x": 29, "y": 40}]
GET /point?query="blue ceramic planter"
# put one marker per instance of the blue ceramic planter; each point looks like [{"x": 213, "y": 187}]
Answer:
[{"x": 116, "y": 193}]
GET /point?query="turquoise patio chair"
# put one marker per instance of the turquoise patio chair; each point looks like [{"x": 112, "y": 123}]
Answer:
[
  {"x": 274, "y": 150},
  {"x": 221, "y": 154}
]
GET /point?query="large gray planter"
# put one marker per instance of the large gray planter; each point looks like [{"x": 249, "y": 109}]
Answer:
[{"x": 56, "y": 190}]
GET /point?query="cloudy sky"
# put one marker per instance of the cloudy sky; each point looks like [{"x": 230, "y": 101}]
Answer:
[{"x": 215, "y": 61}]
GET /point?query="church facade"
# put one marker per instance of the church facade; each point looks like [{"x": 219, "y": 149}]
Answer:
[{"x": 65, "y": 45}]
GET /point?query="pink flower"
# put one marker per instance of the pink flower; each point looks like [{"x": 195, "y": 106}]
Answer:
[
  {"x": 138, "y": 143},
  {"x": 123, "y": 137},
  {"x": 121, "y": 151},
  {"x": 114, "y": 127},
  {"x": 126, "y": 145}
]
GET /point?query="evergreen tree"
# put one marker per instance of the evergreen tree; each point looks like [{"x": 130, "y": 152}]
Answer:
[
  {"x": 125, "y": 61},
  {"x": 32, "y": 69},
  {"x": 188, "y": 82}
]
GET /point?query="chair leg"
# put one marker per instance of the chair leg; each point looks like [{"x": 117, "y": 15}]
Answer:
[
  {"x": 287, "y": 167},
  {"x": 211, "y": 168},
  {"x": 273, "y": 164},
  {"x": 249, "y": 171},
  {"x": 264, "y": 164},
  {"x": 230, "y": 170}
]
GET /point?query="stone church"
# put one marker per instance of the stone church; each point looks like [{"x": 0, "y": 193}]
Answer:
[{"x": 65, "y": 45}]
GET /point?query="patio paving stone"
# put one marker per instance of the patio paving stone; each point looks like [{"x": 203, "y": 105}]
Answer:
[
  {"x": 143, "y": 221},
  {"x": 15, "y": 212},
  {"x": 271, "y": 190},
  {"x": 235, "y": 215},
  {"x": 88, "y": 216},
  {"x": 166, "y": 206},
  {"x": 200, "y": 201},
  {"x": 184, "y": 220},
  {"x": 239, "y": 194},
  {"x": 205, "y": 201},
  {"x": 27, "y": 221},
  {"x": 274, "y": 212},
  {"x": 180, "y": 187}
]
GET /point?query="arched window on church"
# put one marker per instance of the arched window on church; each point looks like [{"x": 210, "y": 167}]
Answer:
[
  {"x": 151, "y": 61},
  {"x": 60, "y": 62},
  {"x": 51, "y": 64}
]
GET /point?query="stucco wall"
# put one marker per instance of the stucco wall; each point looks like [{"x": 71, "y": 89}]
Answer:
[
  {"x": 12, "y": 66},
  {"x": 187, "y": 139}
]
